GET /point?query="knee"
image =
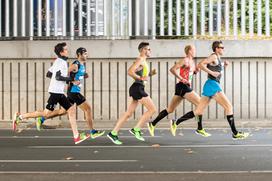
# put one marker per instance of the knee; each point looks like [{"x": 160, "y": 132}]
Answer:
[
  {"x": 198, "y": 112},
  {"x": 228, "y": 108}
]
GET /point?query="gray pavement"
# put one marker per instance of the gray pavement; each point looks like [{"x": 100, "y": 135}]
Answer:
[{"x": 52, "y": 154}]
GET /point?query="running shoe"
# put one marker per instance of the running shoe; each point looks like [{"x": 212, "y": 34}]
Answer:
[
  {"x": 151, "y": 128},
  {"x": 240, "y": 136},
  {"x": 202, "y": 132},
  {"x": 137, "y": 134},
  {"x": 114, "y": 139},
  {"x": 15, "y": 121},
  {"x": 173, "y": 127},
  {"x": 96, "y": 133},
  {"x": 81, "y": 137},
  {"x": 39, "y": 123}
]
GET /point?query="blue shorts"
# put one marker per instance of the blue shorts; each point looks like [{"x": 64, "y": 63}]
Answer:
[{"x": 211, "y": 87}]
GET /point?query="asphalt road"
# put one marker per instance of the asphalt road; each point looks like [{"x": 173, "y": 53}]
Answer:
[{"x": 51, "y": 154}]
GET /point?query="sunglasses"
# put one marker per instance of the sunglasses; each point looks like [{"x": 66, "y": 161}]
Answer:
[{"x": 221, "y": 47}]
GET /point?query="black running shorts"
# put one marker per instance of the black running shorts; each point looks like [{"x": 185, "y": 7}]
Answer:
[
  {"x": 76, "y": 98},
  {"x": 182, "y": 89},
  {"x": 54, "y": 99},
  {"x": 136, "y": 91}
]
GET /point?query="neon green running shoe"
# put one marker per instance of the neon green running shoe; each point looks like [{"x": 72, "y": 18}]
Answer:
[
  {"x": 137, "y": 134},
  {"x": 202, "y": 132},
  {"x": 39, "y": 123},
  {"x": 96, "y": 133},
  {"x": 173, "y": 127},
  {"x": 114, "y": 139},
  {"x": 151, "y": 128},
  {"x": 240, "y": 136}
]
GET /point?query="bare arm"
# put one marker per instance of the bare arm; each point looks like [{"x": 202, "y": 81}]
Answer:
[{"x": 174, "y": 70}]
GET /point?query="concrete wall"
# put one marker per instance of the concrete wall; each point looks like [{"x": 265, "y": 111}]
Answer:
[{"x": 246, "y": 81}]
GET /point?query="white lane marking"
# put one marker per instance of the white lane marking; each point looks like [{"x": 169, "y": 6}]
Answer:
[
  {"x": 161, "y": 146},
  {"x": 65, "y": 161},
  {"x": 143, "y": 172}
]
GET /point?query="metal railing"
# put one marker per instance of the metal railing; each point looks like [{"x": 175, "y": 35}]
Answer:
[{"x": 126, "y": 18}]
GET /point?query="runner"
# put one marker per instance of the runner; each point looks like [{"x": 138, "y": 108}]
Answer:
[
  {"x": 78, "y": 72},
  {"x": 187, "y": 69},
  {"x": 212, "y": 89},
  {"x": 139, "y": 71}
]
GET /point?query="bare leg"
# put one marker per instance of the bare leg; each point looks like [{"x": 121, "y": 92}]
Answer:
[
  {"x": 176, "y": 100},
  {"x": 222, "y": 100},
  {"x": 85, "y": 106},
  {"x": 72, "y": 118},
  {"x": 151, "y": 109},
  {"x": 193, "y": 98},
  {"x": 131, "y": 108}
]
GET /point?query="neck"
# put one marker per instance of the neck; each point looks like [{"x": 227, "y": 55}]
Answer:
[{"x": 63, "y": 57}]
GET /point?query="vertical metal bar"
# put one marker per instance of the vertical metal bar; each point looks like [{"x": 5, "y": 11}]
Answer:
[
  {"x": 104, "y": 16},
  {"x": 64, "y": 18},
  {"x": 30, "y": 20},
  {"x": 56, "y": 17},
  {"x": 170, "y": 26},
  {"x": 137, "y": 17},
  {"x": 154, "y": 18},
  {"x": 178, "y": 17},
  {"x": 251, "y": 18},
  {"x": 96, "y": 18},
  {"x": 39, "y": 17},
  {"x": 15, "y": 18},
  {"x": 129, "y": 18},
  {"x": 1, "y": 18},
  {"x": 72, "y": 33},
  {"x": 47, "y": 18},
  {"x": 227, "y": 17},
  {"x": 7, "y": 19},
  {"x": 211, "y": 17},
  {"x": 235, "y": 18},
  {"x": 23, "y": 18},
  {"x": 243, "y": 17},
  {"x": 80, "y": 18},
  {"x": 161, "y": 17},
  {"x": 145, "y": 18},
  {"x": 194, "y": 17},
  {"x": 89, "y": 17},
  {"x": 121, "y": 18},
  {"x": 112, "y": 18},
  {"x": 267, "y": 18},
  {"x": 259, "y": 18},
  {"x": 203, "y": 17},
  {"x": 186, "y": 18},
  {"x": 219, "y": 3}
]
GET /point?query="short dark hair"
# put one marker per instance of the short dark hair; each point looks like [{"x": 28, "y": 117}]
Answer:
[
  {"x": 59, "y": 48},
  {"x": 216, "y": 45},
  {"x": 142, "y": 45},
  {"x": 80, "y": 51}
]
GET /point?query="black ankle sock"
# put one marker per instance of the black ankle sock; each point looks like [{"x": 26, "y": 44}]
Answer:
[
  {"x": 161, "y": 115},
  {"x": 230, "y": 119},
  {"x": 188, "y": 115},
  {"x": 199, "y": 121}
]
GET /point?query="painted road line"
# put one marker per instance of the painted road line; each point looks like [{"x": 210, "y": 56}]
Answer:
[{"x": 66, "y": 161}]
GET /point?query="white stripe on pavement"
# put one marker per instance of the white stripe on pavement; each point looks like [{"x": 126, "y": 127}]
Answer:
[{"x": 65, "y": 161}]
